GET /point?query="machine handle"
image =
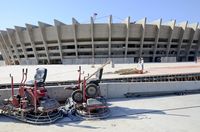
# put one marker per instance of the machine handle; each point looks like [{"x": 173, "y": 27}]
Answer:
[
  {"x": 108, "y": 62},
  {"x": 12, "y": 86},
  {"x": 11, "y": 76}
]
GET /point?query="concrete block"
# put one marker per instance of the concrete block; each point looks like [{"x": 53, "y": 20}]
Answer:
[
  {"x": 104, "y": 90},
  {"x": 117, "y": 90}
]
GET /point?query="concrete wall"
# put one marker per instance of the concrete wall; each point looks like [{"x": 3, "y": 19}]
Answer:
[
  {"x": 97, "y": 60},
  {"x": 117, "y": 90},
  {"x": 2, "y": 63},
  {"x": 168, "y": 59},
  {"x": 28, "y": 61}
]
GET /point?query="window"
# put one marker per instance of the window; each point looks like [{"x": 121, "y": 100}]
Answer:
[
  {"x": 175, "y": 40},
  {"x": 185, "y": 41},
  {"x": 68, "y": 47},
  {"x": 162, "y": 40},
  {"x": 149, "y": 39},
  {"x": 40, "y": 48},
  {"x": 31, "y": 55},
  {"x": 29, "y": 49}
]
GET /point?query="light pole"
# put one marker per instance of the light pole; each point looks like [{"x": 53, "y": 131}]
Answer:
[{"x": 94, "y": 16}]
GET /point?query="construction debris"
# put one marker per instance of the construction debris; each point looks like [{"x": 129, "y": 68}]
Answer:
[{"x": 129, "y": 71}]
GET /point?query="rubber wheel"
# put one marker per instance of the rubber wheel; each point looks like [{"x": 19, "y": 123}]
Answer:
[
  {"x": 91, "y": 90},
  {"x": 77, "y": 96}
]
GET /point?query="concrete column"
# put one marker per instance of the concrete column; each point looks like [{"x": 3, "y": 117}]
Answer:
[
  {"x": 158, "y": 23},
  {"x": 13, "y": 43},
  {"x": 92, "y": 37},
  {"x": 6, "y": 50},
  {"x": 4, "y": 54},
  {"x": 109, "y": 35},
  {"x": 143, "y": 27},
  {"x": 4, "y": 44},
  {"x": 21, "y": 41},
  {"x": 198, "y": 44},
  {"x": 74, "y": 23},
  {"x": 127, "y": 35},
  {"x": 58, "y": 25},
  {"x": 172, "y": 25},
  {"x": 184, "y": 26},
  {"x": 42, "y": 32},
  {"x": 194, "y": 32},
  {"x": 29, "y": 29}
]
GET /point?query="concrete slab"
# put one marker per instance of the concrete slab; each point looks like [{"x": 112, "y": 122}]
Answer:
[
  {"x": 167, "y": 113},
  {"x": 69, "y": 72}
]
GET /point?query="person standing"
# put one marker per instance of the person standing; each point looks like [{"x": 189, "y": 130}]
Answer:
[
  {"x": 142, "y": 64},
  {"x": 139, "y": 64}
]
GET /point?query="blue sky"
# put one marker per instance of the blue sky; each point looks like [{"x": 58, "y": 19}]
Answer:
[{"x": 19, "y": 12}]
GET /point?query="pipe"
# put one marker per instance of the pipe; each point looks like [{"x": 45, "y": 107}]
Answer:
[
  {"x": 35, "y": 96},
  {"x": 84, "y": 89},
  {"x": 22, "y": 77},
  {"x": 25, "y": 76},
  {"x": 79, "y": 78},
  {"x": 12, "y": 86},
  {"x": 108, "y": 62}
]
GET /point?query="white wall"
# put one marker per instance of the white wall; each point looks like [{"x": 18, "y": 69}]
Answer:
[
  {"x": 98, "y": 60},
  {"x": 117, "y": 90}
]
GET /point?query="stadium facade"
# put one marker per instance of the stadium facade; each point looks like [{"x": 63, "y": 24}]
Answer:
[{"x": 95, "y": 42}]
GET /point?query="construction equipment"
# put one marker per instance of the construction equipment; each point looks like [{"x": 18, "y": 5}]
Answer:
[
  {"x": 32, "y": 103},
  {"x": 86, "y": 101}
]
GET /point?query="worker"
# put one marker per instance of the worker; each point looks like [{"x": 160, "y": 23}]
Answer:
[
  {"x": 142, "y": 64},
  {"x": 139, "y": 65}
]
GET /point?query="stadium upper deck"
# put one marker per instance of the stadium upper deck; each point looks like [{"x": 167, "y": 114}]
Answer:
[{"x": 95, "y": 42}]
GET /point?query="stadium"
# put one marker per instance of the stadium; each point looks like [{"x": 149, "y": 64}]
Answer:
[{"x": 94, "y": 43}]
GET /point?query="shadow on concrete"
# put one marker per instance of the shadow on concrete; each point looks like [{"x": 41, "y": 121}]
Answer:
[
  {"x": 141, "y": 98},
  {"x": 116, "y": 112},
  {"x": 123, "y": 112},
  {"x": 4, "y": 118},
  {"x": 77, "y": 124}
]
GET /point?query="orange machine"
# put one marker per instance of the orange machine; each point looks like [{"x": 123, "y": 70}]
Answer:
[{"x": 32, "y": 104}]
